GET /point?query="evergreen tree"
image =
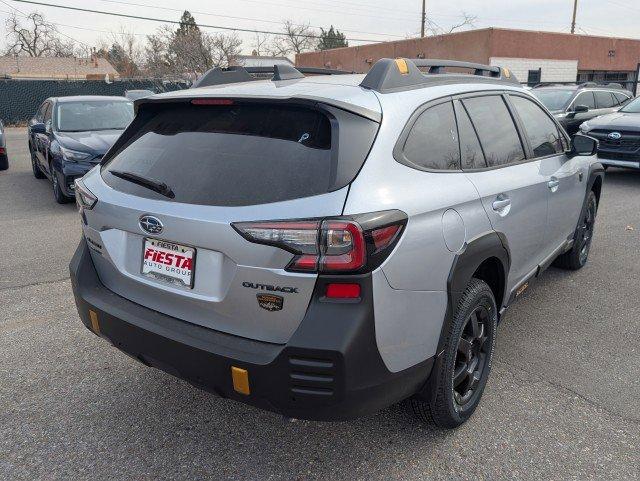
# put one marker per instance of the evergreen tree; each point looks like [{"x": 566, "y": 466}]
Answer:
[
  {"x": 187, "y": 25},
  {"x": 331, "y": 38}
]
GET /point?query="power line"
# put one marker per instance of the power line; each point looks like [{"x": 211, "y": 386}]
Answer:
[
  {"x": 176, "y": 22},
  {"x": 199, "y": 12},
  {"x": 27, "y": 16}
]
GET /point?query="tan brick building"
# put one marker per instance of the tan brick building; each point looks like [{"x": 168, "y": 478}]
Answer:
[
  {"x": 532, "y": 55},
  {"x": 95, "y": 68}
]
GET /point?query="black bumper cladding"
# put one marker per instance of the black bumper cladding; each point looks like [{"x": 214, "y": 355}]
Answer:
[{"x": 329, "y": 370}]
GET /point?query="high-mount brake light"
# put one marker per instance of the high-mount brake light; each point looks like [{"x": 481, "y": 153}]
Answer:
[
  {"x": 351, "y": 244},
  {"x": 212, "y": 102}
]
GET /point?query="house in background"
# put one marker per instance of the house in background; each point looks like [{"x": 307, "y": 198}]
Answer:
[{"x": 62, "y": 68}]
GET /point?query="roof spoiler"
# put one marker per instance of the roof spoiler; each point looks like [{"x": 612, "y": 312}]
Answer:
[
  {"x": 235, "y": 74},
  {"x": 402, "y": 73}
]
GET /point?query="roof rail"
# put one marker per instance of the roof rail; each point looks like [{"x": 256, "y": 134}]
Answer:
[
  {"x": 401, "y": 73},
  {"x": 585, "y": 85},
  {"x": 235, "y": 74}
]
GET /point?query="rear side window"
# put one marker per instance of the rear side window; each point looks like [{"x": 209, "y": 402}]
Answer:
[
  {"x": 470, "y": 149},
  {"x": 604, "y": 100},
  {"x": 585, "y": 98},
  {"x": 496, "y": 130},
  {"x": 241, "y": 154},
  {"x": 432, "y": 142},
  {"x": 622, "y": 98},
  {"x": 540, "y": 129}
]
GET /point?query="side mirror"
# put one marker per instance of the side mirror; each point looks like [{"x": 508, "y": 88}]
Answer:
[
  {"x": 38, "y": 128},
  {"x": 580, "y": 108},
  {"x": 583, "y": 145}
]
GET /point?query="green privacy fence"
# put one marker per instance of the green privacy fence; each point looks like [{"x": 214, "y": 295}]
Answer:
[{"x": 19, "y": 99}]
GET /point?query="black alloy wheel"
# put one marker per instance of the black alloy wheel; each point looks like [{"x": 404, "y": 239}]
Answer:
[{"x": 472, "y": 356}]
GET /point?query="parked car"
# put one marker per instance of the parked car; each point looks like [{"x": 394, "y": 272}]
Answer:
[
  {"x": 69, "y": 135},
  {"x": 573, "y": 104},
  {"x": 138, "y": 94},
  {"x": 619, "y": 136},
  {"x": 4, "y": 159},
  {"x": 324, "y": 247}
]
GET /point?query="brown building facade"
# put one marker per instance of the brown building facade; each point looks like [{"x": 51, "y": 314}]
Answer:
[{"x": 532, "y": 55}]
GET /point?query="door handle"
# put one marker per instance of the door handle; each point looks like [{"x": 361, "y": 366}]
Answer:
[
  {"x": 553, "y": 184},
  {"x": 501, "y": 204}
]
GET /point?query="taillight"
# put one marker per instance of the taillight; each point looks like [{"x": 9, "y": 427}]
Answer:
[{"x": 334, "y": 245}]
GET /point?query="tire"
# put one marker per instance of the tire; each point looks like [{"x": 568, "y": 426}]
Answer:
[
  {"x": 4, "y": 162},
  {"x": 60, "y": 196},
  {"x": 577, "y": 256},
  {"x": 462, "y": 374},
  {"x": 37, "y": 173}
]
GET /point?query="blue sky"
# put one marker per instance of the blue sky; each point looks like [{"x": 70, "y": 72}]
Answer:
[{"x": 358, "y": 19}]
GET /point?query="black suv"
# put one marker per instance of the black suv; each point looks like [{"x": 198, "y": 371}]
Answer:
[{"x": 573, "y": 104}]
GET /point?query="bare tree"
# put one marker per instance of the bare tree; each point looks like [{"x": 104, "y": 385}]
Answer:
[
  {"x": 226, "y": 48},
  {"x": 296, "y": 39},
  {"x": 36, "y": 37},
  {"x": 260, "y": 44},
  {"x": 432, "y": 28}
]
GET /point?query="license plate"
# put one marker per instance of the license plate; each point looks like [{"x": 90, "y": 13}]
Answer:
[{"x": 168, "y": 262}]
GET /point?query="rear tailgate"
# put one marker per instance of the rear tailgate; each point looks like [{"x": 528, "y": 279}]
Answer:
[{"x": 223, "y": 163}]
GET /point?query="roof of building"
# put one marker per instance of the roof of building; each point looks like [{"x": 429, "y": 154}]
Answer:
[
  {"x": 261, "y": 61},
  {"x": 55, "y": 67}
]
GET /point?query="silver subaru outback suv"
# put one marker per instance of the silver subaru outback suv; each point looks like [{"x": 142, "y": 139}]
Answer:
[{"x": 324, "y": 246}]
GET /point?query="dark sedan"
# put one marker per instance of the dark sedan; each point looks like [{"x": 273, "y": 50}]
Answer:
[
  {"x": 4, "y": 160},
  {"x": 619, "y": 136},
  {"x": 69, "y": 135}
]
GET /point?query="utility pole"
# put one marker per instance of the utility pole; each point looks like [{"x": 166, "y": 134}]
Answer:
[
  {"x": 573, "y": 21},
  {"x": 423, "y": 19}
]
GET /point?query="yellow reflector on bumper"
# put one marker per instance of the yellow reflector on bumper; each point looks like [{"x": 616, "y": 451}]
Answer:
[
  {"x": 240, "y": 380},
  {"x": 402, "y": 66},
  {"x": 95, "y": 325}
]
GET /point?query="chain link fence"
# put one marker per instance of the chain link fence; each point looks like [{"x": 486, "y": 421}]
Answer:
[{"x": 19, "y": 99}]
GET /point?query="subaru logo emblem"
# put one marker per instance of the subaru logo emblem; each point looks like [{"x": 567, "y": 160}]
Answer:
[
  {"x": 150, "y": 224},
  {"x": 615, "y": 135}
]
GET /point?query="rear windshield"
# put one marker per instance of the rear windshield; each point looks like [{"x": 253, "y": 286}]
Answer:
[
  {"x": 94, "y": 115},
  {"x": 241, "y": 154},
  {"x": 554, "y": 99}
]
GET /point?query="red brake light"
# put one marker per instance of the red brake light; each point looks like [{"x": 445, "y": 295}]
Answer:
[
  {"x": 340, "y": 245},
  {"x": 343, "y": 291},
  {"x": 384, "y": 236},
  {"x": 212, "y": 102},
  {"x": 2, "y": 151},
  {"x": 343, "y": 247}
]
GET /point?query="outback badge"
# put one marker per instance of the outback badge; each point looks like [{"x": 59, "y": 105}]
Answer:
[{"x": 270, "y": 302}]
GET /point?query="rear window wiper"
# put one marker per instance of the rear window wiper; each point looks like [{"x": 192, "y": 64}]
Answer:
[{"x": 152, "y": 184}]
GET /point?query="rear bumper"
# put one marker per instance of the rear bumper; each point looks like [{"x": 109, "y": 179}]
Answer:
[{"x": 329, "y": 370}]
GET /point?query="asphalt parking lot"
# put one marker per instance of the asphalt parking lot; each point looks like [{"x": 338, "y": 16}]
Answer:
[{"x": 563, "y": 400}]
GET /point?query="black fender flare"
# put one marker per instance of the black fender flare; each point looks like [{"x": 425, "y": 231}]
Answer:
[{"x": 465, "y": 264}]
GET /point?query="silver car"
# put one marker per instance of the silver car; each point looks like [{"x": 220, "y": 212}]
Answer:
[{"x": 326, "y": 246}]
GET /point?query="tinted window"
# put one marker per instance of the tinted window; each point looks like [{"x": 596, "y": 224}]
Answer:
[
  {"x": 94, "y": 115},
  {"x": 242, "y": 154},
  {"x": 432, "y": 142},
  {"x": 540, "y": 129},
  {"x": 496, "y": 130},
  {"x": 47, "y": 113},
  {"x": 40, "y": 114},
  {"x": 470, "y": 149},
  {"x": 622, "y": 98},
  {"x": 604, "y": 100},
  {"x": 585, "y": 98},
  {"x": 554, "y": 99}
]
